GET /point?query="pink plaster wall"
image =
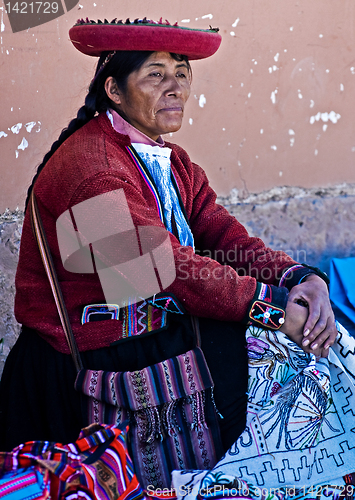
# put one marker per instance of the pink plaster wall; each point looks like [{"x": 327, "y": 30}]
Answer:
[{"x": 274, "y": 107}]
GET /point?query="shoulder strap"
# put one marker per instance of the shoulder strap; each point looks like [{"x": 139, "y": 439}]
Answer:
[
  {"x": 47, "y": 260},
  {"x": 196, "y": 328}
]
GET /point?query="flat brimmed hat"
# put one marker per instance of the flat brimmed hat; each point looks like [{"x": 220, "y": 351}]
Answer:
[{"x": 93, "y": 38}]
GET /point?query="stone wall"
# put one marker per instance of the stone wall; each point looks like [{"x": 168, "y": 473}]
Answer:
[
  {"x": 312, "y": 226},
  {"x": 10, "y": 235}
]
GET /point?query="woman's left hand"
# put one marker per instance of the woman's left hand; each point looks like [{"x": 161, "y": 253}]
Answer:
[{"x": 319, "y": 331}]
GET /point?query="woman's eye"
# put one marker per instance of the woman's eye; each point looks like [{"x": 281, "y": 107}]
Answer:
[{"x": 155, "y": 74}]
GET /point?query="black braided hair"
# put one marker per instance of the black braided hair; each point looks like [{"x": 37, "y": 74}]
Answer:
[{"x": 120, "y": 66}]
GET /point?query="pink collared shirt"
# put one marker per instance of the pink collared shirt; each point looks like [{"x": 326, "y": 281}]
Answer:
[{"x": 123, "y": 127}]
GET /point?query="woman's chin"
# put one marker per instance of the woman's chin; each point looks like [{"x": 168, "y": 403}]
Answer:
[{"x": 171, "y": 129}]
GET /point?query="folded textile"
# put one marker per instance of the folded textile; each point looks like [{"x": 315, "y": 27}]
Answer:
[{"x": 300, "y": 424}]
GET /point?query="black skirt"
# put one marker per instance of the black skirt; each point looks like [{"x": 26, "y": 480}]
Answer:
[{"x": 37, "y": 396}]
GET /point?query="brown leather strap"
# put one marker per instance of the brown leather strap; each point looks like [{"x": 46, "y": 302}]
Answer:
[
  {"x": 53, "y": 280},
  {"x": 196, "y": 327}
]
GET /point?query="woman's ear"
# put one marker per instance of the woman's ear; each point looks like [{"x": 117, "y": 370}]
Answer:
[{"x": 112, "y": 90}]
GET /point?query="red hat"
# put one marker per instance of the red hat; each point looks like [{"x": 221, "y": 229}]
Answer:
[{"x": 93, "y": 38}]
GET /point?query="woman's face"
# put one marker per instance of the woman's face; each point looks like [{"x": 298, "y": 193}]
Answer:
[{"x": 155, "y": 95}]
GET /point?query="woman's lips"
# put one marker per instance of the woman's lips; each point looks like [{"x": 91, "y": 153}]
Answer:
[{"x": 177, "y": 108}]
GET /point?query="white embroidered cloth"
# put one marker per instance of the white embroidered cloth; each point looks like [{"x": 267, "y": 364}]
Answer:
[{"x": 300, "y": 426}]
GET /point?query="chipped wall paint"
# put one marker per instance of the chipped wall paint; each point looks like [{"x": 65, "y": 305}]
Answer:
[
  {"x": 202, "y": 101},
  {"x": 292, "y": 138},
  {"x": 331, "y": 116},
  {"x": 23, "y": 145},
  {"x": 2, "y": 24},
  {"x": 15, "y": 129},
  {"x": 206, "y": 16},
  {"x": 276, "y": 70},
  {"x": 29, "y": 126},
  {"x": 34, "y": 126}
]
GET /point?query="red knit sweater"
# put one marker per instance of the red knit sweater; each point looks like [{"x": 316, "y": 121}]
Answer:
[{"x": 95, "y": 160}]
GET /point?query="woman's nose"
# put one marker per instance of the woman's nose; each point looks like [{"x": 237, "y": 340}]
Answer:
[{"x": 173, "y": 86}]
